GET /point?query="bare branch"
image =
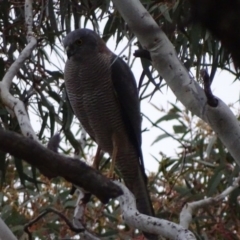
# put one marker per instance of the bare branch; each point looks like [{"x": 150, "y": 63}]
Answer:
[
  {"x": 143, "y": 53},
  {"x": 189, "y": 208},
  {"x": 15, "y": 105},
  {"x": 81, "y": 201},
  {"x": 149, "y": 224},
  {"x": 211, "y": 99},
  {"x": 52, "y": 164},
  {"x": 79, "y": 215},
  {"x": 29, "y": 19},
  {"x": 49, "y": 210}
]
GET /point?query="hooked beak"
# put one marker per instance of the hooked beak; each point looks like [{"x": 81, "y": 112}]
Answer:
[{"x": 70, "y": 51}]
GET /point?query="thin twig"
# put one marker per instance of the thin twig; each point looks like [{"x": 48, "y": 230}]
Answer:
[
  {"x": 41, "y": 215},
  {"x": 211, "y": 99},
  {"x": 189, "y": 208}
]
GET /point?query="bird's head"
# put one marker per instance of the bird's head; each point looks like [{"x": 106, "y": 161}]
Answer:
[{"x": 83, "y": 42}]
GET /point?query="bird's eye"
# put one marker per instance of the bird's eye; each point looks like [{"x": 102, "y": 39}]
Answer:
[{"x": 79, "y": 42}]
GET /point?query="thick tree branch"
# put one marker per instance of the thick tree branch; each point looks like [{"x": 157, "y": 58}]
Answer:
[
  {"x": 146, "y": 223},
  {"x": 13, "y": 104},
  {"x": 165, "y": 60},
  {"x": 52, "y": 164}
]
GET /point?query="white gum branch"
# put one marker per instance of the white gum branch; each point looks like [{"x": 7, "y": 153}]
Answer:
[
  {"x": 189, "y": 208},
  {"x": 146, "y": 223},
  {"x": 13, "y": 104},
  {"x": 187, "y": 91}
]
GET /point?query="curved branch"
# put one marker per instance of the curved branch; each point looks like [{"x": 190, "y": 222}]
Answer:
[
  {"x": 165, "y": 60},
  {"x": 146, "y": 223},
  {"x": 52, "y": 164},
  {"x": 50, "y": 210},
  {"x": 189, "y": 208},
  {"x": 13, "y": 104}
]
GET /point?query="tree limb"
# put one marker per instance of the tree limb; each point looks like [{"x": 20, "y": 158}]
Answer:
[
  {"x": 189, "y": 208},
  {"x": 211, "y": 100},
  {"x": 50, "y": 210},
  {"x": 52, "y": 164},
  {"x": 79, "y": 216},
  {"x": 146, "y": 223},
  {"x": 13, "y": 104},
  {"x": 165, "y": 60}
]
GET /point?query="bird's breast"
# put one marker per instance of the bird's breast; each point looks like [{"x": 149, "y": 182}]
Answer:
[{"x": 91, "y": 94}]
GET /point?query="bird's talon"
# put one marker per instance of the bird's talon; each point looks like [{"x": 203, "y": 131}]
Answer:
[{"x": 112, "y": 176}]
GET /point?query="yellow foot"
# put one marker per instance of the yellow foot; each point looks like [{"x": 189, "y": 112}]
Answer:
[
  {"x": 114, "y": 156},
  {"x": 97, "y": 158},
  {"x": 111, "y": 175}
]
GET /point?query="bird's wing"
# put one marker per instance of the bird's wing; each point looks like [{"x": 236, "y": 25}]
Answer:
[{"x": 127, "y": 94}]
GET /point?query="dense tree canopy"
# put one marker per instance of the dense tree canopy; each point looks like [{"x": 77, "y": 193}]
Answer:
[{"x": 202, "y": 166}]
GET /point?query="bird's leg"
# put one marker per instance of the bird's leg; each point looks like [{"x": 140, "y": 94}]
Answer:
[
  {"x": 114, "y": 155},
  {"x": 97, "y": 158}
]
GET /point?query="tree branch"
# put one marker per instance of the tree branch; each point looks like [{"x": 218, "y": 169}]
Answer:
[
  {"x": 15, "y": 105},
  {"x": 78, "y": 217},
  {"x": 50, "y": 210},
  {"x": 165, "y": 60},
  {"x": 189, "y": 208},
  {"x": 211, "y": 99},
  {"x": 52, "y": 164},
  {"x": 146, "y": 223}
]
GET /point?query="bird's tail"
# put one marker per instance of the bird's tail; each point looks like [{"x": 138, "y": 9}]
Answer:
[
  {"x": 136, "y": 181},
  {"x": 144, "y": 205}
]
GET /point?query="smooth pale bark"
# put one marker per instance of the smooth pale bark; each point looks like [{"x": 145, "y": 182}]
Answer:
[
  {"x": 13, "y": 105},
  {"x": 186, "y": 89},
  {"x": 146, "y": 223}
]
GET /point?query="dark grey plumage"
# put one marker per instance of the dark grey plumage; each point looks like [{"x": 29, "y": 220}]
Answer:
[{"x": 103, "y": 94}]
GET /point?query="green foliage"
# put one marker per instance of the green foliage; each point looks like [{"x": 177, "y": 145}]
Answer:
[{"x": 192, "y": 174}]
